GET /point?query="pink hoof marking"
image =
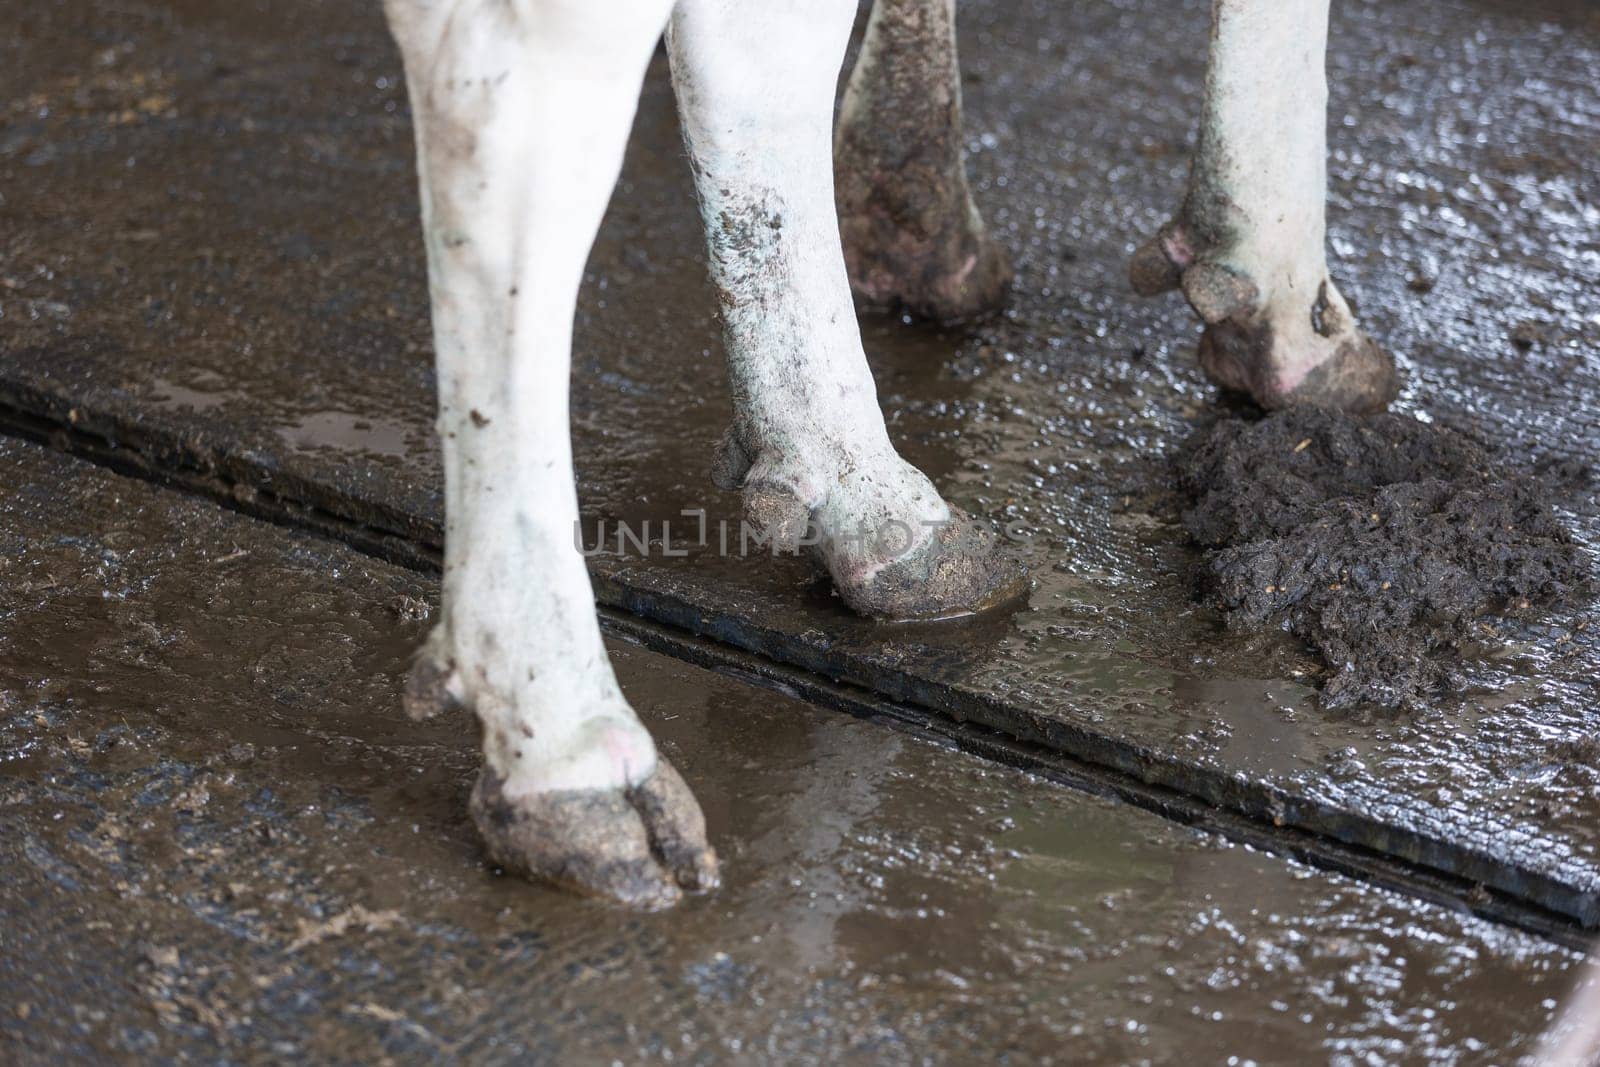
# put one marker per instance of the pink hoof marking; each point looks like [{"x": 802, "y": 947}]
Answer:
[
  {"x": 1175, "y": 243},
  {"x": 960, "y": 276},
  {"x": 623, "y": 751}
]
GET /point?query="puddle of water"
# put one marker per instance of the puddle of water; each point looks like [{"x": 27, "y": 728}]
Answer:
[
  {"x": 346, "y": 431},
  {"x": 208, "y": 392},
  {"x": 332, "y": 430}
]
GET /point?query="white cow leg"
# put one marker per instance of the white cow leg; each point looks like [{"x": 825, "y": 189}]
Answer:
[
  {"x": 912, "y": 235},
  {"x": 755, "y": 83},
  {"x": 522, "y": 111},
  {"x": 1248, "y": 245}
]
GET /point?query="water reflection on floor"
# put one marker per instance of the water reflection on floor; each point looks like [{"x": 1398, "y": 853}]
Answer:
[{"x": 221, "y": 840}]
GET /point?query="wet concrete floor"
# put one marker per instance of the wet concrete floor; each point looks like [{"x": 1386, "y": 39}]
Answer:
[
  {"x": 212, "y": 257},
  {"x": 221, "y": 841}
]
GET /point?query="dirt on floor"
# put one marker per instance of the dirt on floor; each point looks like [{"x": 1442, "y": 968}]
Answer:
[
  {"x": 232, "y": 281},
  {"x": 221, "y": 841},
  {"x": 1385, "y": 542}
]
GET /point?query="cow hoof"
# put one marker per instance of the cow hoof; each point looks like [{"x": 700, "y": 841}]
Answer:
[
  {"x": 1359, "y": 377},
  {"x": 893, "y": 547},
  {"x": 641, "y": 847},
  {"x": 1282, "y": 345},
  {"x": 961, "y": 568},
  {"x": 432, "y": 687},
  {"x": 947, "y": 278},
  {"x": 1157, "y": 266}
]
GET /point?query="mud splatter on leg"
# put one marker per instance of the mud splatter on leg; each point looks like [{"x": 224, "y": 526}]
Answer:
[{"x": 912, "y": 234}]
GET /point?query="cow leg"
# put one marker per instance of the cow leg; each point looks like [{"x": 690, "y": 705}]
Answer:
[
  {"x": 755, "y": 84},
  {"x": 1247, "y": 247},
  {"x": 521, "y": 114},
  {"x": 1574, "y": 1040},
  {"x": 912, "y": 235}
]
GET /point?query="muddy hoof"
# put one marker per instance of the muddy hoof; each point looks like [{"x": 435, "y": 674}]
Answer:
[
  {"x": 962, "y": 569},
  {"x": 1359, "y": 378},
  {"x": 1157, "y": 265},
  {"x": 967, "y": 292},
  {"x": 949, "y": 277},
  {"x": 429, "y": 688},
  {"x": 640, "y": 847},
  {"x": 935, "y": 288},
  {"x": 1265, "y": 341}
]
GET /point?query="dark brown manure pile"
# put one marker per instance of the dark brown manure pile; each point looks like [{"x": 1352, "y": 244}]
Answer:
[{"x": 1380, "y": 541}]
